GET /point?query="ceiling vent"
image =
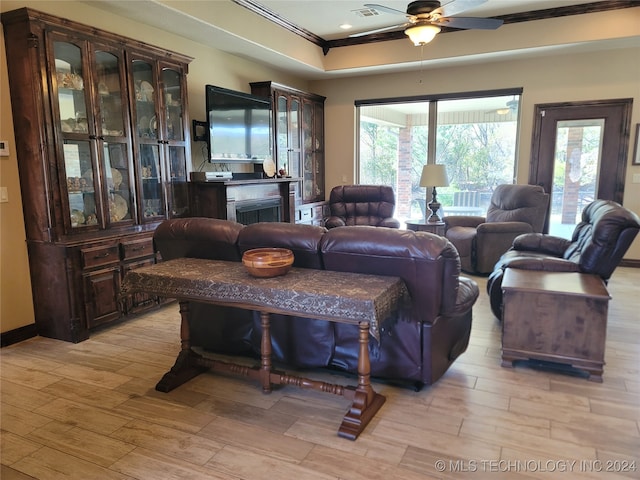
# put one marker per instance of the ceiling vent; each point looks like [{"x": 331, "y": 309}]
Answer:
[{"x": 366, "y": 12}]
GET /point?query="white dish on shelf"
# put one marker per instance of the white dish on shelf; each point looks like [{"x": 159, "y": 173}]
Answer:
[
  {"x": 269, "y": 167},
  {"x": 116, "y": 178},
  {"x": 118, "y": 207},
  {"x": 147, "y": 91}
]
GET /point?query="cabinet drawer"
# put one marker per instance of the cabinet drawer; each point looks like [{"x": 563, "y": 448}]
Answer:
[
  {"x": 97, "y": 256},
  {"x": 137, "y": 249}
]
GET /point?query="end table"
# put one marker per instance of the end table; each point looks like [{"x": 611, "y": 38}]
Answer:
[{"x": 424, "y": 226}]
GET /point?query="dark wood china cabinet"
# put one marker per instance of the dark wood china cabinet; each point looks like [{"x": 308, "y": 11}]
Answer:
[
  {"x": 298, "y": 119},
  {"x": 102, "y": 140}
]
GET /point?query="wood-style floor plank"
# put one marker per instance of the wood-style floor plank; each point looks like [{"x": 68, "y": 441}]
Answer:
[{"x": 91, "y": 411}]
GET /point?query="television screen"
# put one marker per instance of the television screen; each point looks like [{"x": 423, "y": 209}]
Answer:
[{"x": 239, "y": 126}]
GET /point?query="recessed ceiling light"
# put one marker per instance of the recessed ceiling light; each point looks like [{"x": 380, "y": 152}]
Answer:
[{"x": 346, "y": 26}]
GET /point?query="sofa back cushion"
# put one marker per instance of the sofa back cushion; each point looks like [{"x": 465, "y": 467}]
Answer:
[
  {"x": 428, "y": 264},
  {"x": 603, "y": 236},
  {"x": 362, "y": 204},
  {"x": 198, "y": 238},
  {"x": 302, "y": 240}
]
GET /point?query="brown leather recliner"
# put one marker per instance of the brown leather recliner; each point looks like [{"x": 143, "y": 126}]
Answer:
[
  {"x": 362, "y": 205},
  {"x": 597, "y": 246},
  {"x": 514, "y": 210}
]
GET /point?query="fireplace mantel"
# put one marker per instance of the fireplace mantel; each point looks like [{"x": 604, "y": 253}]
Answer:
[{"x": 222, "y": 198}]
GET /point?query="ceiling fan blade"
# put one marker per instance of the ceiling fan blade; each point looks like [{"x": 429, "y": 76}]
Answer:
[
  {"x": 378, "y": 30},
  {"x": 469, "y": 23},
  {"x": 382, "y": 8},
  {"x": 457, "y": 6}
]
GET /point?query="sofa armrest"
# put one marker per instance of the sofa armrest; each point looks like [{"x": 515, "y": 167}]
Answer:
[
  {"x": 332, "y": 222},
  {"x": 390, "y": 222},
  {"x": 468, "y": 292},
  {"x": 539, "y": 242},
  {"x": 463, "y": 221}
]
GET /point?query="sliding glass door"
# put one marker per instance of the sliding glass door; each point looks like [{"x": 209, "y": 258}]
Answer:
[{"x": 475, "y": 137}]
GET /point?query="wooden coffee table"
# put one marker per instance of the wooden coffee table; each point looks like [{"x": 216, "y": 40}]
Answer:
[{"x": 358, "y": 299}]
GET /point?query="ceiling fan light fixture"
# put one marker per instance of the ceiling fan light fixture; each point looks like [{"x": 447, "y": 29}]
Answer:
[{"x": 421, "y": 34}]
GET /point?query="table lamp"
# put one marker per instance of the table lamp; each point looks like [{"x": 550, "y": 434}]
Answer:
[{"x": 433, "y": 175}]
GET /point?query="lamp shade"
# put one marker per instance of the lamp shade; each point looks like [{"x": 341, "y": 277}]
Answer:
[
  {"x": 434, "y": 175},
  {"x": 421, "y": 34}
]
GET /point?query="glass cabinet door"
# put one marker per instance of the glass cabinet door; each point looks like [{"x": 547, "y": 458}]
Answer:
[
  {"x": 294, "y": 138},
  {"x": 79, "y": 163},
  {"x": 178, "y": 182},
  {"x": 95, "y": 149},
  {"x": 282, "y": 147},
  {"x": 151, "y": 194},
  {"x": 318, "y": 150},
  {"x": 119, "y": 197},
  {"x": 307, "y": 167},
  {"x": 173, "y": 108},
  {"x": 148, "y": 140},
  {"x": 118, "y": 182},
  {"x": 288, "y": 136},
  {"x": 81, "y": 190},
  {"x": 174, "y": 137},
  {"x": 110, "y": 94}
]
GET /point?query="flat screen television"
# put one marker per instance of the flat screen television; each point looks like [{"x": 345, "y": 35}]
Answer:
[{"x": 239, "y": 126}]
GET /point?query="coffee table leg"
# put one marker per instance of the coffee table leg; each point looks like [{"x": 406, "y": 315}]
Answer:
[
  {"x": 265, "y": 352},
  {"x": 366, "y": 402},
  {"x": 187, "y": 364}
]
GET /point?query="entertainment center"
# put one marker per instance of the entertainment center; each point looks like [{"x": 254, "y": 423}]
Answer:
[{"x": 280, "y": 131}]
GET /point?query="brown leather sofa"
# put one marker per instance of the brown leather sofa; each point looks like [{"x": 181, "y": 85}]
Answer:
[
  {"x": 417, "y": 345},
  {"x": 480, "y": 241},
  {"x": 362, "y": 205},
  {"x": 597, "y": 245}
]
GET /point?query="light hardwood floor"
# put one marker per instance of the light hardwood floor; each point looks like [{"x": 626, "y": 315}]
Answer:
[{"x": 89, "y": 411}]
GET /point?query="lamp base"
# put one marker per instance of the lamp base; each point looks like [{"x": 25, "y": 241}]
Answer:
[{"x": 434, "y": 207}]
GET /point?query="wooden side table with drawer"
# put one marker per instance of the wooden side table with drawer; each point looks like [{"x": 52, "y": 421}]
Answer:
[{"x": 558, "y": 317}]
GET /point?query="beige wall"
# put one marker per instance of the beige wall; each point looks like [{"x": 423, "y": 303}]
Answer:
[
  {"x": 601, "y": 75},
  {"x": 606, "y": 74},
  {"x": 16, "y": 306}
]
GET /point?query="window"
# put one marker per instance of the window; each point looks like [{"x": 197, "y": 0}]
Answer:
[{"x": 475, "y": 136}]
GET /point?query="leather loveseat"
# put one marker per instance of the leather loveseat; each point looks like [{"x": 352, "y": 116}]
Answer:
[
  {"x": 597, "y": 246},
  {"x": 417, "y": 345}
]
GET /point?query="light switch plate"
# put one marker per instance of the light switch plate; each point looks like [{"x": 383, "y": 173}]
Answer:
[
  {"x": 4, "y": 148},
  {"x": 635, "y": 178},
  {"x": 4, "y": 195}
]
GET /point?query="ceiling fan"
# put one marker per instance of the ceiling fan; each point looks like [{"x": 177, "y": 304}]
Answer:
[
  {"x": 426, "y": 17},
  {"x": 510, "y": 107}
]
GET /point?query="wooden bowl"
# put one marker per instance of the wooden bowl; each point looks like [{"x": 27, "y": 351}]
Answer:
[{"x": 267, "y": 262}]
